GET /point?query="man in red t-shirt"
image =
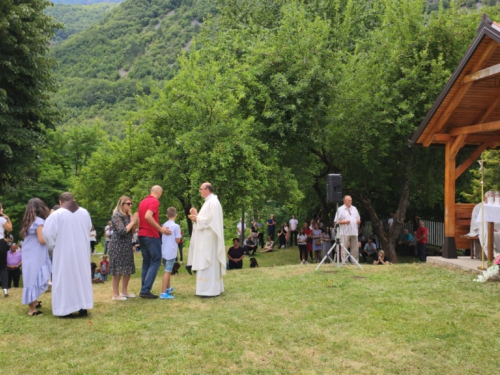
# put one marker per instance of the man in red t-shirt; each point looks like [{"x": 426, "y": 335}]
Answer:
[
  {"x": 422, "y": 234},
  {"x": 149, "y": 240}
]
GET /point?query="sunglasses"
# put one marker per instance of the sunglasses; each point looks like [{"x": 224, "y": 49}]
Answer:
[{"x": 128, "y": 203}]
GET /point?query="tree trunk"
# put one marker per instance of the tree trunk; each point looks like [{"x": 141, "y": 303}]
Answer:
[
  {"x": 388, "y": 240},
  {"x": 325, "y": 207}
]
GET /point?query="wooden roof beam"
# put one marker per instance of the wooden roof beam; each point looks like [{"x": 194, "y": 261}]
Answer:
[
  {"x": 482, "y": 74},
  {"x": 460, "y": 93},
  {"x": 471, "y": 159},
  {"x": 490, "y": 109},
  {"x": 478, "y": 128},
  {"x": 458, "y": 143},
  {"x": 471, "y": 139}
]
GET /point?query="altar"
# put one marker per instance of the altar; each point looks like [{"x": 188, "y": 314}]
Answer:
[{"x": 491, "y": 216}]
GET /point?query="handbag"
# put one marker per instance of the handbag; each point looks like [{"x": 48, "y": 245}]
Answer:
[{"x": 317, "y": 242}]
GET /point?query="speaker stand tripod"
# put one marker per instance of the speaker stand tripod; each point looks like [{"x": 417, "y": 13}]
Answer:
[{"x": 338, "y": 246}]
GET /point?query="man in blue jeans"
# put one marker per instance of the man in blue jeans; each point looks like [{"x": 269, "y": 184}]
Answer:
[{"x": 149, "y": 239}]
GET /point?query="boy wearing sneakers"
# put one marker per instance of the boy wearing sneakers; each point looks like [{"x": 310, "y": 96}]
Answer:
[{"x": 169, "y": 251}]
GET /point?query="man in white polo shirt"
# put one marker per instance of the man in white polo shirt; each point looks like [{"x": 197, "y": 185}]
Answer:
[
  {"x": 348, "y": 218},
  {"x": 293, "y": 229}
]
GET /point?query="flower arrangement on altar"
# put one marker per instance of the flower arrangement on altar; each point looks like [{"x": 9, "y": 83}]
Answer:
[{"x": 492, "y": 273}]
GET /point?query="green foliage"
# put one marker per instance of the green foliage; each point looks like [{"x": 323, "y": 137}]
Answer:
[
  {"x": 135, "y": 44},
  {"x": 86, "y": 2},
  {"x": 387, "y": 86},
  {"x": 76, "y": 18},
  {"x": 26, "y": 82},
  {"x": 192, "y": 133},
  {"x": 58, "y": 162}
]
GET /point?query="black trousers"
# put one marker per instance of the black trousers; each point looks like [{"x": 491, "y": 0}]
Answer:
[
  {"x": 282, "y": 241},
  {"x": 4, "y": 277},
  {"x": 235, "y": 265},
  {"x": 303, "y": 252},
  {"x": 292, "y": 236},
  {"x": 14, "y": 276},
  {"x": 271, "y": 233},
  {"x": 261, "y": 240}
]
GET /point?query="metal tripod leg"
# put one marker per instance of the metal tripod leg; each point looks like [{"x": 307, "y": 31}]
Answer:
[
  {"x": 346, "y": 258},
  {"x": 327, "y": 256}
]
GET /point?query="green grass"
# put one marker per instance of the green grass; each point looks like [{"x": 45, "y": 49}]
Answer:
[{"x": 400, "y": 319}]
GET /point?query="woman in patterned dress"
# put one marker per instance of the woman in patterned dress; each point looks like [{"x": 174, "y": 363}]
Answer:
[{"x": 121, "y": 254}]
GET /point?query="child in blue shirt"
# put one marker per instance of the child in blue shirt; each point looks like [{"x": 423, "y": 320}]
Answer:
[{"x": 169, "y": 245}]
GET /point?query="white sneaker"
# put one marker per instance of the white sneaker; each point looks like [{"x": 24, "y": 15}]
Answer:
[
  {"x": 127, "y": 295},
  {"x": 120, "y": 298}
]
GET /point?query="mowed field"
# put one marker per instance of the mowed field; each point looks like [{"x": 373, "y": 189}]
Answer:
[{"x": 282, "y": 318}]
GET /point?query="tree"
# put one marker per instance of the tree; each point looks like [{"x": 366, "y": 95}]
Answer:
[
  {"x": 26, "y": 83},
  {"x": 190, "y": 132},
  {"x": 388, "y": 84}
]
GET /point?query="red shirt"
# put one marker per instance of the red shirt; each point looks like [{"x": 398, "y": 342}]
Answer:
[
  {"x": 308, "y": 232},
  {"x": 420, "y": 232},
  {"x": 104, "y": 266},
  {"x": 149, "y": 203}
]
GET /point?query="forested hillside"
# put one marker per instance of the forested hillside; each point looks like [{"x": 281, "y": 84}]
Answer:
[
  {"x": 137, "y": 43},
  {"x": 76, "y": 18},
  {"x": 85, "y": 2}
]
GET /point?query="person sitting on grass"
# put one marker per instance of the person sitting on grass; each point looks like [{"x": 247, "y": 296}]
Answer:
[
  {"x": 235, "y": 255},
  {"x": 406, "y": 242},
  {"x": 97, "y": 279},
  {"x": 93, "y": 271},
  {"x": 381, "y": 260},
  {"x": 269, "y": 245},
  {"x": 370, "y": 249},
  {"x": 249, "y": 246}
]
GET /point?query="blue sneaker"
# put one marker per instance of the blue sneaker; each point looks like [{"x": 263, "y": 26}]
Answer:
[
  {"x": 166, "y": 295},
  {"x": 170, "y": 290}
]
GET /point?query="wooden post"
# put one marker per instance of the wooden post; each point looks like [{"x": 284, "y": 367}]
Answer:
[
  {"x": 449, "y": 248},
  {"x": 491, "y": 230}
]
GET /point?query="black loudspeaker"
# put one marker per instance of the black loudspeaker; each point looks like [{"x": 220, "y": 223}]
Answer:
[{"x": 334, "y": 188}]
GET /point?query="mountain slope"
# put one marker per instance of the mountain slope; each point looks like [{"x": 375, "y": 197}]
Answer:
[
  {"x": 137, "y": 42},
  {"x": 76, "y": 18}
]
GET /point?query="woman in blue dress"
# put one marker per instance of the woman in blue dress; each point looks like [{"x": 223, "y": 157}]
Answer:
[
  {"x": 36, "y": 262},
  {"x": 316, "y": 245}
]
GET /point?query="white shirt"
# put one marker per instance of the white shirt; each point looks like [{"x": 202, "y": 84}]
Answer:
[
  {"x": 2, "y": 229},
  {"x": 109, "y": 232},
  {"x": 239, "y": 227},
  {"x": 168, "y": 244},
  {"x": 293, "y": 224},
  {"x": 351, "y": 214}
]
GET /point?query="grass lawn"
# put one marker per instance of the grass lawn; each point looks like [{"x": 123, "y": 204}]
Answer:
[{"x": 282, "y": 318}]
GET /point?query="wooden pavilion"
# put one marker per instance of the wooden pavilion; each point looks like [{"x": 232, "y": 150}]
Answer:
[{"x": 466, "y": 114}]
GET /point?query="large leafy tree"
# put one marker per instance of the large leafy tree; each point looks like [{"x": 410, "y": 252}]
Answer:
[
  {"x": 190, "y": 132},
  {"x": 26, "y": 83},
  {"x": 388, "y": 84}
]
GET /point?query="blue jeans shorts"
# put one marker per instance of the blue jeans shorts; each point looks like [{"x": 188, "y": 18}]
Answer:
[{"x": 169, "y": 265}]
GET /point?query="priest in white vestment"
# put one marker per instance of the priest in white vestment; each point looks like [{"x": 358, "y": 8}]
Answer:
[
  {"x": 207, "y": 251},
  {"x": 66, "y": 231}
]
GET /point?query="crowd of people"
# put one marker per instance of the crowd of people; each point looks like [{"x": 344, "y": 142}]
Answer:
[
  {"x": 57, "y": 244},
  {"x": 314, "y": 239}
]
